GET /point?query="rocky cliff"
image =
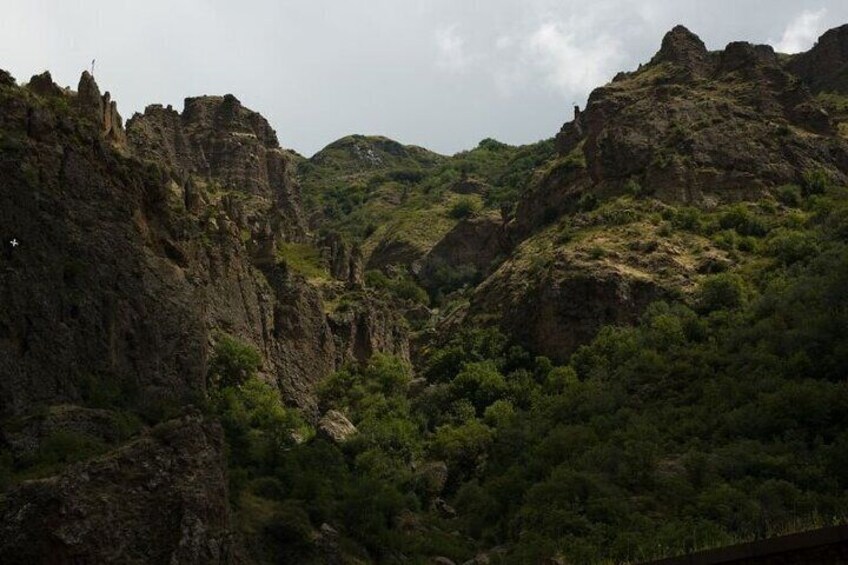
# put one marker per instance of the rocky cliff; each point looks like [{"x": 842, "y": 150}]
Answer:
[
  {"x": 705, "y": 127},
  {"x": 134, "y": 252}
]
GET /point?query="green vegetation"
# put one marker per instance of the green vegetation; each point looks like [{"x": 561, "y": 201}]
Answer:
[
  {"x": 233, "y": 362},
  {"x": 402, "y": 286},
  {"x": 702, "y": 425},
  {"x": 303, "y": 258},
  {"x": 464, "y": 208},
  {"x": 377, "y": 192}
]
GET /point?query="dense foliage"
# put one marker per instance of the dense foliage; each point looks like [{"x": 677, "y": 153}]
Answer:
[{"x": 722, "y": 420}]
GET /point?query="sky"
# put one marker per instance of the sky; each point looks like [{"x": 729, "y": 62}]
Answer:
[{"x": 442, "y": 74}]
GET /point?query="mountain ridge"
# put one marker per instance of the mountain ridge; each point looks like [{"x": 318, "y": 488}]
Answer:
[{"x": 352, "y": 357}]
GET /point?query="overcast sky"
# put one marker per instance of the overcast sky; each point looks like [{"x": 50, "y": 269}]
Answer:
[{"x": 439, "y": 73}]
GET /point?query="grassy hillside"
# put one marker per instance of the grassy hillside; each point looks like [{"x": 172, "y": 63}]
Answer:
[{"x": 385, "y": 195}]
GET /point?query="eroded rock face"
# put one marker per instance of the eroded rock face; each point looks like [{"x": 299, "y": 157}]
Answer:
[
  {"x": 473, "y": 243},
  {"x": 43, "y": 85},
  {"x": 684, "y": 49},
  {"x": 91, "y": 291},
  {"x": 369, "y": 325},
  {"x": 344, "y": 260},
  {"x": 159, "y": 499},
  {"x": 567, "y": 306},
  {"x": 126, "y": 268},
  {"x": 218, "y": 141}
]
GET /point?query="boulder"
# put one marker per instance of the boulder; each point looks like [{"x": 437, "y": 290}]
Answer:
[{"x": 335, "y": 427}]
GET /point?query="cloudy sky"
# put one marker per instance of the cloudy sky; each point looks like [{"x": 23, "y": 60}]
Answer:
[{"x": 439, "y": 73}]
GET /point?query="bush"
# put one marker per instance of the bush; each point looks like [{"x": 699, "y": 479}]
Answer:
[
  {"x": 790, "y": 195},
  {"x": 587, "y": 202},
  {"x": 791, "y": 246},
  {"x": 724, "y": 291},
  {"x": 464, "y": 208},
  {"x": 290, "y": 526},
  {"x": 60, "y": 448},
  {"x": 233, "y": 362},
  {"x": 742, "y": 221},
  {"x": 815, "y": 182},
  {"x": 688, "y": 219},
  {"x": 463, "y": 447}
]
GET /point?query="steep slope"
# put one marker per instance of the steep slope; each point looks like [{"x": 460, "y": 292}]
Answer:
[
  {"x": 691, "y": 127},
  {"x": 136, "y": 253}
]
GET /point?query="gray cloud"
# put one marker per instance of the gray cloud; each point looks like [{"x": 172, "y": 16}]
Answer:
[{"x": 438, "y": 73}]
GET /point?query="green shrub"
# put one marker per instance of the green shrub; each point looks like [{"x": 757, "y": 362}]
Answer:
[
  {"x": 740, "y": 219},
  {"x": 790, "y": 195},
  {"x": 587, "y": 202},
  {"x": 233, "y": 362},
  {"x": 634, "y": 188},
  {"x": 815, "y": 182},
  {"x": 721, "y": 292},
  {"x": 464, "y": 208},
  {"x": 290, "y": 527},
  {"x": 789, "y": 246},
  {"x": 688, "y": 218},
  {"x": 401, "y": 286},
  {"x": 597, "y": 252},
  {"x": 59, "y": 449},
  {"x": 481, "y": 383},
  {"x": 463, "y": 447},
  {"x": 303, "y": 258}
]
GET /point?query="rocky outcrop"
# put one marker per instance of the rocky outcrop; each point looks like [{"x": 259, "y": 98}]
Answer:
[
  {"x": 473, "y": 244},
  {"x": 366, "y": 324},
  {"x": 99, "y": 109},
  {"x": 824, "y": 68},
  {"x": 218, "y": 142},
  {"x": 160, "y": 499},
  {"x": 685, "y": 50},
  {"x": 565, "y": 308},
  {"x": 702, "y": 128},
  {"x": 6, "y": 79},
  {"x": 126, "y": 268},
  {"x": 91, "y": 292},
  {"x": 43, "y": 85},
  {"x": 344, "y": 260}
]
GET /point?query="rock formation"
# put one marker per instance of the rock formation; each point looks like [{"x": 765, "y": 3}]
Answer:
[
  {"x": 100, "y": 109},
  {"x": 703, "y": 127},
  {"x": 160, "y": 499},
  {"x": 824, "y": 68}
]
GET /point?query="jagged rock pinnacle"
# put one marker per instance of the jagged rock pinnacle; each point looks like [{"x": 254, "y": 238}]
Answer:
[
  {"x": 681, "y": 47},
  {"x": 102, "y": 110},
  {"x": 89, "y": 100}
]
